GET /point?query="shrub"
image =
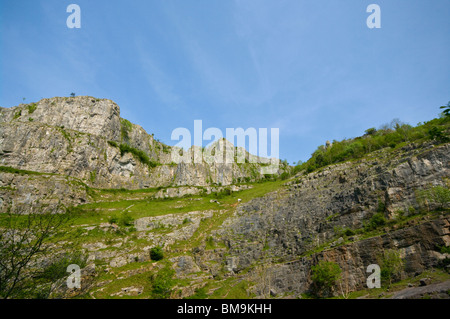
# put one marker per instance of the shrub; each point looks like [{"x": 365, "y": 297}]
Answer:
[
  {"x": 376, "y": 221},
  {"x": 437, "y": 195},
  {"x": 126, "y": 220},
  {"x": 284, "y": 176},
  {"x": 17, "y": 114},
  {"x": 156, "y": 253},
  {"x": 58, "y": 269},
  {"x": 113, "y": 220},
  {"x": 324, "y": 276},
  {"x": 391, "y": 265},
  {"x": 162, "y": 283},
  {"x": 32, "y": 107},
  {"x": 141, "y": 155},
  {"x": 125, "y": 129}
]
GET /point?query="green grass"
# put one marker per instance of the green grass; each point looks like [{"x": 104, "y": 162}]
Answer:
[{"x": 12, "y": 170}]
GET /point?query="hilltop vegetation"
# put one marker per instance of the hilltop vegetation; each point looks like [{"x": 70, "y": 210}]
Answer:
[{"x": 391, "y": 135}]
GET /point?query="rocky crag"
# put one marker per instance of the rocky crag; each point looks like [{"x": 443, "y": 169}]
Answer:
[
  {"x": 245, "y": 240},
  {"x": 74, "y": 141}
]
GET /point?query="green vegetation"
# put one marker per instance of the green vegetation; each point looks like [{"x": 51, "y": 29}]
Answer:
[
  {"x": 7, "y": 169},
  {"x": 141, "y": 155},
  {"x": 446, "y": 108},
  {"x": 436, "y": 195},
  {"x": 125, "y": 220},
  {"x": 125, "y": 129},
  {"x": 32, "y": 107},
  {"x": 390, "y": 135},
  {"x": 324, "y": 276},
  {"x": 58, "y": 269},
  {"x": 391, "y": 265},
  {"x": 113, "y": 144},
  {"x": 376, "y": 221},
  {"x": 162, "y": 283},
  {"x": 17, "y": 114},
  {"x": 156, "y": 253},
  {"x": 92, "y": 176}
]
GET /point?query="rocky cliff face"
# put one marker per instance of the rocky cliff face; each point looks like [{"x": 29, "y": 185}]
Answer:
[
  {"x": 55, "y": 153},
  {"x": 80, "y": 138},
  {"x": 281, "y": 231}
]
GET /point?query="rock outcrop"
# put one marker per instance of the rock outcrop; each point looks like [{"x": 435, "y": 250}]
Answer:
[
  {"x": 280, "y": 232},
  {"x": 82, "y": 137}
]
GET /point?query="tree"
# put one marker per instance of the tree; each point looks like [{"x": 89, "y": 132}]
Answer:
[
  {"x": 324, "y": 276},
  {"x": 72, "y": 94},
  {"x": 391, "y": 265},
  {"x": 23, "y": 238},
  {"x": 446, "y": 108},
  {"x": 370, "y": 131}
]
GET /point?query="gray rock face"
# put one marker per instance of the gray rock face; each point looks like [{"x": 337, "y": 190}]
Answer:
[
  {"x": 80, "y": 137},
  {"x": 276, "y": 230}
]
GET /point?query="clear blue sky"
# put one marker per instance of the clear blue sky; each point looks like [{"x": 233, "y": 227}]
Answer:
[{"x": 311, "y": 68}]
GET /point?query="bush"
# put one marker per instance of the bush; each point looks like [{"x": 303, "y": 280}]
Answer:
[
  {"x": 126, "y": 220},
  {"x": 391, "y": 265},
  {"x": 113, "y": 220},
  {"x": 376, "y": 221},
  {"x": 125, "y": 129},
  {"x": 141, "y": 155},
  {"x": 324, "y": 276},
  {"x": 156, "y": 253},
  {"x": 437, "y": 195},
  {"x": 32, "y": 107},
  {"x": 58, "y": 269},
  {"x": 162, "y": 283},
  {"x": 17, "y": 114}
]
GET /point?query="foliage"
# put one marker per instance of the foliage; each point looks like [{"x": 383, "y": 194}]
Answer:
[
  {"x": 446, "y": 108},
  {"x": 32, "y": 107},
  {"x": 22, "y": 240},
  {"x": 58, "y": 269},
  {"x": 141, "y": 155},
  {"x": 222, "y": 193},
  {"x": 125, "y": 129},
  {"x": 124, "y": 219},
  {"x": 389, "y": 135},
  {"x": 437, "y": 195},
  {"x": 324, "y": 276},
  {"x": 156, "y": 253},
  {"x": 391, "y": 265},
  {"x": 17, "y": 114},
  {"x": 162, "y": 283},
  {"x": 376, "y": 221},
  {"x": 7, "y": 169}
]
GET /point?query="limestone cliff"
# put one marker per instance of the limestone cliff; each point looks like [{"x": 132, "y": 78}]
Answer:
[{"x": 82, "y": 139}]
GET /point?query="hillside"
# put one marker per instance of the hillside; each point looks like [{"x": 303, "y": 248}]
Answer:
[{"x": 141, "y": 227}]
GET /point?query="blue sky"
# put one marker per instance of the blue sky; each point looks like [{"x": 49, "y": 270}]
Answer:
[{"x": 313, "y": 69}]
